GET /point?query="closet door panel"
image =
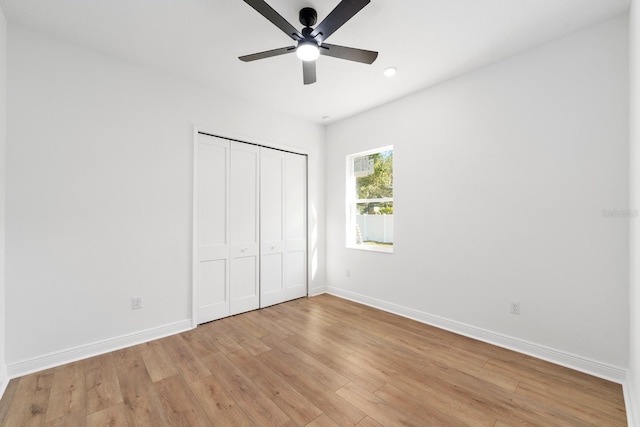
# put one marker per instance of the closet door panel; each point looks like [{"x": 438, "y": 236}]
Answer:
[
  {"x": 244, "y": 193},
  {"x": 296, "y": 198},
  {"x": 244, "y": 227},
  {"x": 283, "y": 221},
  {"x": 296, "y": 274},
  {"x": 295, "y": 226},
  {"x": 271, "y": 197},
  {"x": 211, "y": 274},
  {"x": 245, "y": 291},
  {"x": 271, "y": 226},
  {"x": 212, "y": 194},
  {"x": 212, "y": 235},
  {"x": 271, "y": 279}
]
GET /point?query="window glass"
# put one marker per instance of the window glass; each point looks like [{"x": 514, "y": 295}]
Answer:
[{"x": 370, "y": 200}]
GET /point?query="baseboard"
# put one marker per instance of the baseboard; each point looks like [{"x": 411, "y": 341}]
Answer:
[
  {"x": 317, "y": 291},
  {"x": 578, "y": 363},
  {"x": 3, "y": 386},
  {"x": 100, "y": 347},
  {"x": 631, "y": 402}
]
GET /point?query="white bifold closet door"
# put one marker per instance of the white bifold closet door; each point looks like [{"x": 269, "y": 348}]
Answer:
[
  {"x": 227, "y": 232},
  {"x": 283, "y": 261},
  {"x": 250, "y": 227},
  {"x": 244, "y": 228}
]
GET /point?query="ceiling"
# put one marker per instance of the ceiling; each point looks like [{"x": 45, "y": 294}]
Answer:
[{"x": 428, "y": 41}]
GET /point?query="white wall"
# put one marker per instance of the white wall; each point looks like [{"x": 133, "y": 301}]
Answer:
[
  {"x": 633, "y": 380},
  {"x": 99, "y": 196},
  {"x": 501, "y": 177},
  {"x": 3, "y": 143}
]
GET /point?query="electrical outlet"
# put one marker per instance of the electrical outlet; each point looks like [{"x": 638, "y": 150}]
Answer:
[
  {"x": 514, "y": 307},
  {"x": 136, "y": 303},
  {"x": 348, "y": 272}
]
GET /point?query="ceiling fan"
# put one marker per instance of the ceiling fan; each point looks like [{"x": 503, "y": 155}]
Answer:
[{"x": 311, "y": 41}]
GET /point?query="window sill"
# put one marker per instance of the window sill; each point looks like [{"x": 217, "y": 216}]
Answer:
[{"x": 372, "y": 248}]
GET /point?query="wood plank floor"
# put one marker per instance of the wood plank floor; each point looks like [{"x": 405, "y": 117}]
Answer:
[{"x": 317, "y": 362}]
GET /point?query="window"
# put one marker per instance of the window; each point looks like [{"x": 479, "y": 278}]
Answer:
[{"x": 370, "y": 200}]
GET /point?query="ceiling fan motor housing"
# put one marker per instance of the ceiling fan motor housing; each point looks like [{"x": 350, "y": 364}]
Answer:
[{"x": 308, "y": 16}]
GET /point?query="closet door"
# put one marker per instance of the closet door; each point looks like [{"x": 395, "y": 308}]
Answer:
[
  {"x": 283, "y": 226},
  {"x": 244, "y": 227},
  {"x": 295, "y": 203},
  {"x": 250, "y": 248},
  {"x": 271, "y": 226},
  {"x": 212, "y": 248}
]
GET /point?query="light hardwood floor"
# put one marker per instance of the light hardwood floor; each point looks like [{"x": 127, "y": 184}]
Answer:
[{"x": 318, "y": 362}]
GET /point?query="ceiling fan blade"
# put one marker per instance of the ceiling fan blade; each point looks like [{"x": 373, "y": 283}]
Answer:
[
  {"x": 276, "y": 19},
  {"x": 344, "y": 11},
  {"x": 309, "y": 72},
  {"x": 267, "y": 54},
  {"x": 350, "y": 53}
]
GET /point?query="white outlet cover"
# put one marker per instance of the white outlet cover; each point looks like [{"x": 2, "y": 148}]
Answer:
[{"x": 514, "y": 307}]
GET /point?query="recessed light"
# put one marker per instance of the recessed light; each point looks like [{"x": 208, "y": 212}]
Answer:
[
  {"x": 390, "y": 71},
  {"x": 325, "y": 118}
]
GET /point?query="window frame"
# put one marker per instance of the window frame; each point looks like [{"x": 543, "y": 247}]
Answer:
[{"x": 351, "y": 202}]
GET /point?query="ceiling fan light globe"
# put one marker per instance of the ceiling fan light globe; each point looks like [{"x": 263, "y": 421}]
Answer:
[{"x": 307, "y": 51}]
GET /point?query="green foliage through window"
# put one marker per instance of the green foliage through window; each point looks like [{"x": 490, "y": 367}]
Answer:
[{"x": 376, "y": 185}]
